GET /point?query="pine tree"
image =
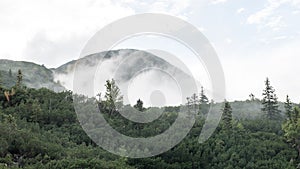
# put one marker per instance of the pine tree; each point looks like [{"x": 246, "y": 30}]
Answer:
[
  {"x": 139, "y": 105},
  {"x": 288, "y": 108},
  {"x": 227, "y": 116},
  {"x": 269, "y": 102},
  {"x": 19, "y": 78},
  {"x": 113, "y": 98},
  {"x": 203, "y": 98},
  {"x": 203, "y": 102}
]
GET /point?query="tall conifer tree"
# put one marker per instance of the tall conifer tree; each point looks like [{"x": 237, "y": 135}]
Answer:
[
  {"x": 288, "y": 108},
  {"x": 269, "y": 102},
  {"x": 227, "y": 116}
]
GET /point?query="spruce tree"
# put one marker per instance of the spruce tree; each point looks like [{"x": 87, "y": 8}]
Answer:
[
  {"x": 269, "y": 102},
  {"x": 204, "y": 108},
  {"x": 288, "y": 108},
  {"x": 113, "y": 96},
  {"x": 203, "y": 98},
  {"x": 227, "y": 116}
]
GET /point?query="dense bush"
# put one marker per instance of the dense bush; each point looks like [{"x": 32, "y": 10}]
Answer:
[{"x": 39, "y": 129}]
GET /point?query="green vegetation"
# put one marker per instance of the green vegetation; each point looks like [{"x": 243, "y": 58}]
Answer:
[
  {"x": 39, "y": 129},
  {"x": 270, "y": 103},
  {"x": 227, "y": 116},
  {"x": 291, "y": 128},
  {"x": 33, "y": 75}
]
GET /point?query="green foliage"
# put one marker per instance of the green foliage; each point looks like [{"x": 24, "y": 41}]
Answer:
[
  {"x": 38, "y": 129},
  {"x": 291, "y": 128},
  {"x": 203, "y": 97},
  {"x": 34, "y": 76},
  {"x": 269, "y": 102},
  {"x": 227, "y": 116},
  {"x": 113, "y": 98},
  {"x": 204, "y": 107},
  {"x": 288, "y": 108},
  {"x": 198, "y": 104}
]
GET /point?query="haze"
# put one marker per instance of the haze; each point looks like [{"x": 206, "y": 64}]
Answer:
[{"x": 254, "y": 39}]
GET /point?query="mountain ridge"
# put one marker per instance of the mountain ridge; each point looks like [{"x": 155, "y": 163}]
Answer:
[{"x": 38, "y": 76}]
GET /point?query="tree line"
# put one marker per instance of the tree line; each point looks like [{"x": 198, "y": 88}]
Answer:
[{"x": 39, "y": 129}]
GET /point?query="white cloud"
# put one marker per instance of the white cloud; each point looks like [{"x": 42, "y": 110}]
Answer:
[
  {"x": 53, "y": 32},
  {"x": 63, "y": 27},
  {"x": 268, "y": 17},
  {"x": 240, "y": 10},
  {"x": 280, "y": 37},
  {"x": 21, "y": 23},
  {"x": 295, "y": 2},
  {"x": 173, "y": 7},
  {"x": 275, "y": 23},
  {"x": 228, "y": 40},
  {"x": 263, "y": 14},
  {"x": 41, "y": 49},
  {"x": 218, "y": 1}
]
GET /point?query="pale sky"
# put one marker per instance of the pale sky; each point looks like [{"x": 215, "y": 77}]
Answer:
[{"x": 254, "y": 39}]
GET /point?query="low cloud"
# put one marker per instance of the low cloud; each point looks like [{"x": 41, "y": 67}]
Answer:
[
  {"x": 247, "y": 75},
  {"x": 41, "y": 49}
]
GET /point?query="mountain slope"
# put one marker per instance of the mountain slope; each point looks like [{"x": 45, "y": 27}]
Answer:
[
  {"x": 125, "y": 64},
  {"x": 34, "y": 75},
  {"x": 136, "y": 72}
]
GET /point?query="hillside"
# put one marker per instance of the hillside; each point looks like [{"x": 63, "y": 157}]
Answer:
[
  {"x": 34, "y": 75},
  {"x": 61, "y": 78},
  {"x": 126, "y": 66},
  {"x": 39, "y": 129},
  {"x": 246, "y": 109}
]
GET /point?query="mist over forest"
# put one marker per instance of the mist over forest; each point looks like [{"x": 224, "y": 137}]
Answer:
[{"x": 40, "y": 127}]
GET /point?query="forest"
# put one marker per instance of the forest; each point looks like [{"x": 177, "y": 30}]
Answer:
[{"x": 39, "y": 129}]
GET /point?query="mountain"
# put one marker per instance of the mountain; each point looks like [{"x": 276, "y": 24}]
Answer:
[
  {"x": 34, "y": 75},
  {"x": 132, "y": 69},
  {"x": 137, "y": 73}
]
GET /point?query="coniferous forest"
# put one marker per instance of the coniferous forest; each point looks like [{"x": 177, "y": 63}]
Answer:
[{"x": 39, "y": 129}]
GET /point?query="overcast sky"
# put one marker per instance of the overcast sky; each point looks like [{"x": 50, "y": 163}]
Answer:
[{"x": 254, "y": 39}]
